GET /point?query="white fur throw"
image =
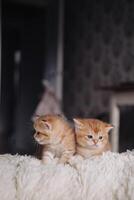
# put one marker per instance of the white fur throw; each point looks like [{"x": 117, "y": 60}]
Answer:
[{"x": 109, "y": 177}]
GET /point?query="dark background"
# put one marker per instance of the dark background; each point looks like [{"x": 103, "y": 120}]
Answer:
[{"x": 98, "y": 51}]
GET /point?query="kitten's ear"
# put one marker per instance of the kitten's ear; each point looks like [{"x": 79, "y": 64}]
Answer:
[
  {"x": 46, "y": 124},
  {"x": 109, "y": 127},
  {"x": 78, "y": 124},
  {"x": 35, "y": 117}
]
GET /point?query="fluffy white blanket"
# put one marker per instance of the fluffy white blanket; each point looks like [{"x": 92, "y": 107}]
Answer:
[{"x": 109, "y": 177}]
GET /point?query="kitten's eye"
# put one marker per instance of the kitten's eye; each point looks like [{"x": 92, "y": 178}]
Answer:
[
  {"x": 100, "y": 137},
  {"x": 43, "y": 120},
  {"x": 90, "y": 136}
]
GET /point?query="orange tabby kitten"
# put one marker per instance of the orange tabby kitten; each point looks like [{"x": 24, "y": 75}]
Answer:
[
  {"x": 56, "y": 136},
  {"x": 91, "y": 137}
]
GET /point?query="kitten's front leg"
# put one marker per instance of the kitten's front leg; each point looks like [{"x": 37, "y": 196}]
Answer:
[
  {"x": 47, "y": 157},
  {"x": 65, "y": 157}
]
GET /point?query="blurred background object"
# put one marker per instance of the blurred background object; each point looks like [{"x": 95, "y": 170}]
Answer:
[
  {"x": 78, "y": 47},
  {"x": 49, "y": 102}
]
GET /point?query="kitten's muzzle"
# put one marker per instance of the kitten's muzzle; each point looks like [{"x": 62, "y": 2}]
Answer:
[{"x": 95, "y": 141}]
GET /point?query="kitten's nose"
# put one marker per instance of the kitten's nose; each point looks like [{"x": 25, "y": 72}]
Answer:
[{"x": 95, "y": 141}]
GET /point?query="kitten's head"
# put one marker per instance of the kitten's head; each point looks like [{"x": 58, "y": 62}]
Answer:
[
  {"x": 47, "y": 129},
  {"x": 91, "y": 133}
]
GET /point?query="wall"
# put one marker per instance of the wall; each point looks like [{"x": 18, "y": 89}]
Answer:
[
  {"x": 99, "y": 51},
  {"x": 23, "y": 29}
]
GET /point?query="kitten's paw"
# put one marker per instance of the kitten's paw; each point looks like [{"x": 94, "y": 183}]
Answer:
[
  {"x": 45, "y": 161},
  {"x": 76, "y": 159},
  {"x": 47, "y": 157},
  {"x": 63, "y": 161}
]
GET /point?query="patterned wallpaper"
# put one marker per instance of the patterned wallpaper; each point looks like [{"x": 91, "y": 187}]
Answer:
[{"x": 99, "y": 50}]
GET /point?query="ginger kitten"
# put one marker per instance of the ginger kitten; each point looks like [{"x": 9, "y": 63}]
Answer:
[
  {"x": 91, "y": 137},
  {"x": 56, "y": 136}
]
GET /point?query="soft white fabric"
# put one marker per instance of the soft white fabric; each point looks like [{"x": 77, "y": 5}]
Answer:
[{"x": 108, "y": 177}]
